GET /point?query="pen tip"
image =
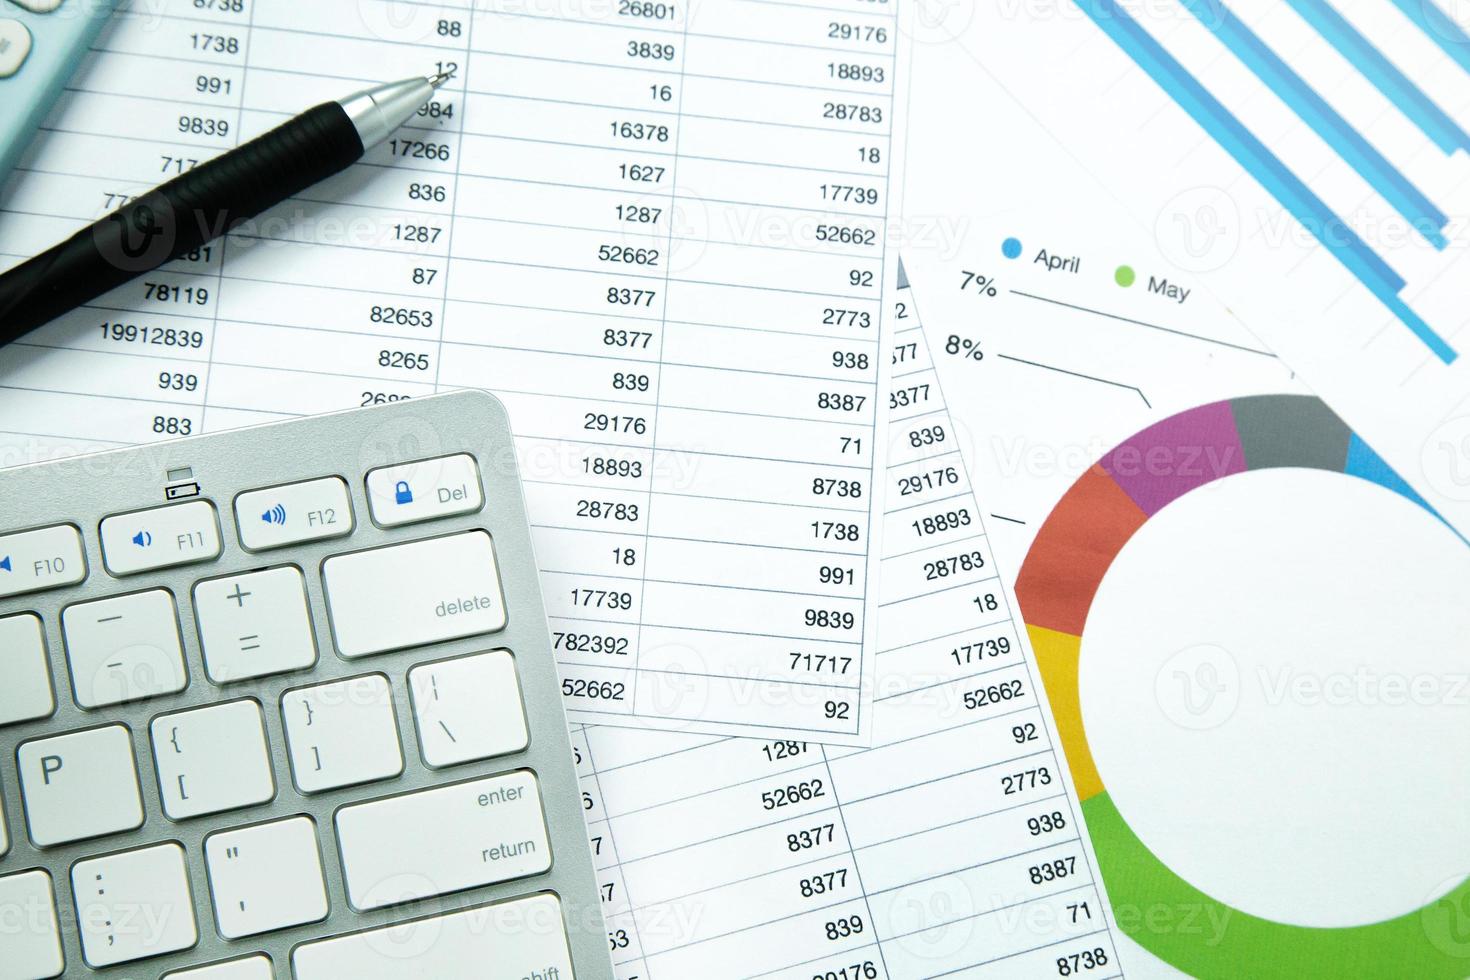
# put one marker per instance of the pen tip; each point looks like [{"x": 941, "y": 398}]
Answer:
[{"x": 440, "y": 78}]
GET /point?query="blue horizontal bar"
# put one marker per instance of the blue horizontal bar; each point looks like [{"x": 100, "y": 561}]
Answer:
[
  {"x": 1331, "y": 231},
  {"x": 1326, "y": 122},
  {"x": 1385, "y": 76},
  {"x": 1417, "y": 326},
  {"x": 1440, "y": 29}
]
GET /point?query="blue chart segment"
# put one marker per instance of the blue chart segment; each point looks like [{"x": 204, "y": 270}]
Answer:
[{"x": 1290, "y": 191}]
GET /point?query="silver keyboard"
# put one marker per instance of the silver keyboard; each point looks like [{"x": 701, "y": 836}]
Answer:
[{"x": 280, "y": 702}]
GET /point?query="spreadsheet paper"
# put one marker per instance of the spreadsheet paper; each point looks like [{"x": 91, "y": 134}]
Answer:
[
  {"x": 948, "y": 849},
  {"x": 951, "y": 847},
  {"x": 658, "y": 231}
]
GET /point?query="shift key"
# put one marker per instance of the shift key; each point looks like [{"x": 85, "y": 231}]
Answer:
[
  {"x": 407, "y": 595},
  {"x": 443, "y": 840}
]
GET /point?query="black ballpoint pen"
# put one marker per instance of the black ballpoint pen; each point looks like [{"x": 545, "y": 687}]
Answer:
[{"x": 205, "y": 203}]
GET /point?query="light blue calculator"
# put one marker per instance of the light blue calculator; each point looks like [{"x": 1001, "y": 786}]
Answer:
[{"x": 41, "y": 44}]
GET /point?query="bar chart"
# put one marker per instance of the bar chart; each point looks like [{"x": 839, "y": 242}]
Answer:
[
  {"x": 1332, "y": 231},
  {"x": 1305, "y": 163}
]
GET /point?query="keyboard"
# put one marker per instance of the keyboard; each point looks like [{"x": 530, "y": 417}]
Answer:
[
  {"x": 280, "y": 702},
  {"x": 41, "y": 44}
]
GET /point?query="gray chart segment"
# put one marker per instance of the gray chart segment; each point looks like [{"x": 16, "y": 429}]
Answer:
[{"x": 1290, "y": 430}]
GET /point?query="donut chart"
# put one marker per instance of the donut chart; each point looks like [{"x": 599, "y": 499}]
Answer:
[{"x": 1058, "y": 581}]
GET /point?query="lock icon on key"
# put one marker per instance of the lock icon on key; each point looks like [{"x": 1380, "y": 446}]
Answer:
[{"x": 402, "y": 494}]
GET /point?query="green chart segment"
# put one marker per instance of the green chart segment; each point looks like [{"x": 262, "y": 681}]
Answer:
[
  {"x": 1175, "y": 921},
  {"x": 1072, "y": 552}
]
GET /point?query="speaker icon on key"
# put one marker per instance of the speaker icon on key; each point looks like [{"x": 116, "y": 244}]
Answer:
[{"x": 276, "y": 515}]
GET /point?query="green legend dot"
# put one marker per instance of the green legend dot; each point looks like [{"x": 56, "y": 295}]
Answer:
[{"x": 1124, "y": 276}]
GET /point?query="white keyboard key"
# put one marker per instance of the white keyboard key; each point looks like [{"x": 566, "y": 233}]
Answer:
[
  {"x": 15, "y": 46},
  {"x": 80, "y": 785},
  {"x": 520, "y": 940},
  {"x": 410, "y": 594},
  {"x": 254, "y": 624},
  {"x": 443, "y": 840},
  {"x": 25, "y": 676},
  {"x": 134, "y": 905},
  {"x": 40, "y": 6},
  {"x": 212, "y": 759},
  {"x": 312, "y": 510},
  {"x": 425, "y": 490},
  {"x": 468, "y": 708},
  {"x": 342, "y": 733},
  {"x": 46, "y": 558},
  {"x": 266, "y": 877},
  {"x": 252, "y": 968},
  {"x": 162, "y": 537},
  {"x": 124, "y": 649},
  {"x": 30, "y": 943}
]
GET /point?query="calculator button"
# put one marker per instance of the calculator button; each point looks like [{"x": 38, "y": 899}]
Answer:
[
  {"x": 266, "y": 877},
  {"x": 15, "y": 46},
  {"x": 342, "y": 733},
  {"x": 254, "y": 968},
  {"x": 80, "y": 785},
  {"x": 46, "y": 558},
  {"x": 33, "y": 952},
  {"x": 468, "y": 708},
  {"x": 296, "y": 512},
  {"x": 443, "y": 840},
  {"x": 425, "y": 490},
  {"x": 410, "y": 594},
  {"x": 124, "y": 649},
  {"x": 25, "y": 679},
  {"x": 134, "y": 905},
  {"x": 39, "y": 6},
  {"x": 509, "y": 941},
  {"x": 160, "y": 538},
  {"x": 254, "y": 624},
  {"x": 212, "y": 759}
]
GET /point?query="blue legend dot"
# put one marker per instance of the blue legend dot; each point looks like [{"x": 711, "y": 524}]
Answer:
[{"x": 1010, "y": 248}]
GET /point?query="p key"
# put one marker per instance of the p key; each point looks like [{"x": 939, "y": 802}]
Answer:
[{"x": 80, "y": 785}]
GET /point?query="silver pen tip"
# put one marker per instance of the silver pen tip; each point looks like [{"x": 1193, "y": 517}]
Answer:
[{"x": 440, "y": 78}]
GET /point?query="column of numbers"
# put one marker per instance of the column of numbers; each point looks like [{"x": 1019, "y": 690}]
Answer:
[
  {"x": 767, "y": 409},
  {"x": 347, "y": 280},
  {"x": 737, "y": 855},
  {"x": 945, "y": 615},
  {"x": 557, "y": 288}
]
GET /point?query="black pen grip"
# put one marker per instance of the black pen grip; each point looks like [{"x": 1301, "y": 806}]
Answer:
[{"x": 178, "y": 217}]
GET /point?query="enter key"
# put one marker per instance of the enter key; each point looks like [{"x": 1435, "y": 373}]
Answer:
[{"x": 443, "y": 840}]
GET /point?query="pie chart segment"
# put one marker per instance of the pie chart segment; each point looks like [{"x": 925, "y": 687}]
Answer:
[{"x": 1071, "y": 554}]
